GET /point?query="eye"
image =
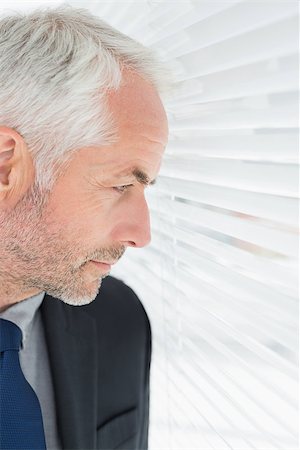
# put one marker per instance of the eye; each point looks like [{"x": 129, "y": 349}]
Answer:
[{"x": 123, "y": 188}]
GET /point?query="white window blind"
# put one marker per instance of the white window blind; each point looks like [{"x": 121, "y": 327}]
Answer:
[{"x": 219, "y": 279}]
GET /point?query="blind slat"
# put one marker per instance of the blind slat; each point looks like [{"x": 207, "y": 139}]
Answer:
[
  {"x": 274, "y": 41},
  {"x": 255, "y": 147},
  {"x": 267, "y": 178},
  {"x": 270, "y": 207},
  {"x": 254, "y": 232}
]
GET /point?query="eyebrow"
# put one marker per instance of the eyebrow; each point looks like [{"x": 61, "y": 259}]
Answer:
[{"x": 140, "y": 176}]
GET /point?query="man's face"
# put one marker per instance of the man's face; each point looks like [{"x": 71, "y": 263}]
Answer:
[{"x": 86, "y": 217}]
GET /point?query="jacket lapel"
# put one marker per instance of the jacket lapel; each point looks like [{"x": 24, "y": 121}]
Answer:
[{"x": 72, "y": 344}]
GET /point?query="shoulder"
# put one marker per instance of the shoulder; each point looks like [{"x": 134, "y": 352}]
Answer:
[
  {"x": 114, "y": 295},
  {"x": 116, "y": 313},
  {"x": 118, "y": 306}
]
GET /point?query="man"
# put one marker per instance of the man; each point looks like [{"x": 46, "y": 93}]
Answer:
[{"x": 74, "y": 164}]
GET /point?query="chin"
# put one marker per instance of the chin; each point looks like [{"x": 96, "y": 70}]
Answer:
[{"x": 76, "y": 299}]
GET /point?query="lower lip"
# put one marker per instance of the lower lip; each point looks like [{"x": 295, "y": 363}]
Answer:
[{"x": 102, "y": 265}]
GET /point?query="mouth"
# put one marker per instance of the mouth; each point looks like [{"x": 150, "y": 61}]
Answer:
[{"x": 101, "y": 265}]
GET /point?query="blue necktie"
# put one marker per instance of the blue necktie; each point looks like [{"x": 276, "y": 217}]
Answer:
[{"x": 21, "y": 423}]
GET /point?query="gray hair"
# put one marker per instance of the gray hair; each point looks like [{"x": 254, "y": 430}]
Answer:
[{"x": 56, "y": 66}]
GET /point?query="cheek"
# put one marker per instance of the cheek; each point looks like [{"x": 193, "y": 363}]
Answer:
[
  {"x": 73, "y": 212},
  {"x": 87, "y": 217},
  {"x": 92, "y": 224},
  {"x": 110, "y": 215}
]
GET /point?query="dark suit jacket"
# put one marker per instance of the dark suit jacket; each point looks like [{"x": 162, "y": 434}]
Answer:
[{"x": 100, "y": 361}]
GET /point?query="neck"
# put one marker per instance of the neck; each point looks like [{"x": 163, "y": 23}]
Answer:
[{"x": 11, "y": 294}]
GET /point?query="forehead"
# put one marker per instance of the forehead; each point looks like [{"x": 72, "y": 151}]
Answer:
[
  {"x": 142, "y": 134},
  {"x": 142, "y": 130},
  {"x": 138, "y": 110}
]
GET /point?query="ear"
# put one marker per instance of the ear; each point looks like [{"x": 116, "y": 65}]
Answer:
[{"x": 16, "y": 168}]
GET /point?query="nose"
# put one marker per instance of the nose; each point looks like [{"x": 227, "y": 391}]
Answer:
[{"x": 133, "y": 227}]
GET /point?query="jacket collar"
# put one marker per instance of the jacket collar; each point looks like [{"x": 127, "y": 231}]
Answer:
[{"x": 72, "y": 344}]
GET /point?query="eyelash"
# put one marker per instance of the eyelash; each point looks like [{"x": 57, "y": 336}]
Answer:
[{"x": 126, "y": 186}]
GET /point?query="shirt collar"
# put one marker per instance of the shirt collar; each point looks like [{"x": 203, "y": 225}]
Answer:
[{"x": 23, "y": 313}]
